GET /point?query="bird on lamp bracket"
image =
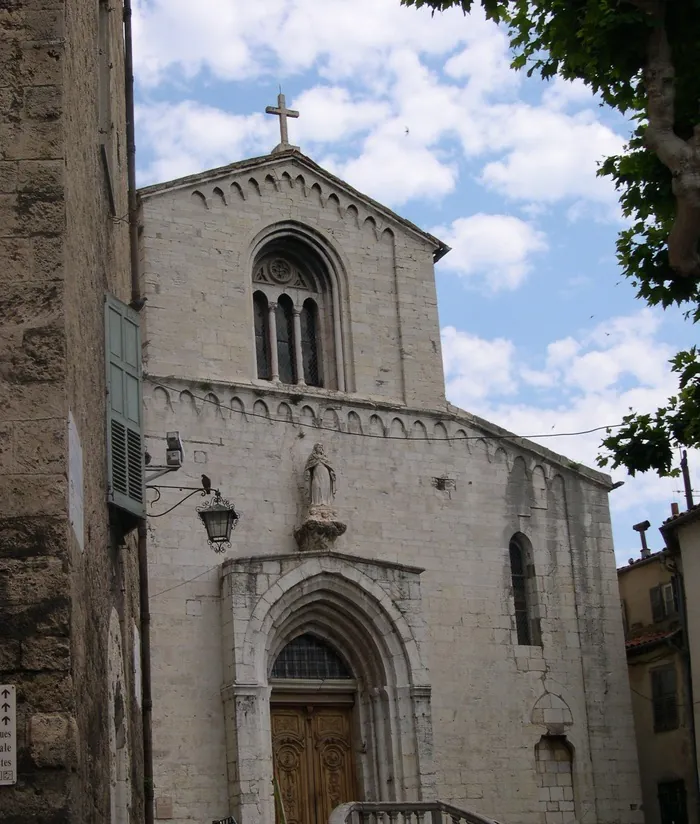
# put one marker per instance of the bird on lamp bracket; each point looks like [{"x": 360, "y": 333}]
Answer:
[{"x": 206, "y": 484}]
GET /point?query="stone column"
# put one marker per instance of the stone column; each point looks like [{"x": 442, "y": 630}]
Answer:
[
  {"x": 298, "y": 356},
  {"x": 272, "y": 330}
]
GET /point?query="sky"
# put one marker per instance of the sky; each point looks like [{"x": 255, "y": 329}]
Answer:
[{"x": 540, "y": 332}]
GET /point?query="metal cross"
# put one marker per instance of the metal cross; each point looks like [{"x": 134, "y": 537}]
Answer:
[{"x": 283, "y": 113}]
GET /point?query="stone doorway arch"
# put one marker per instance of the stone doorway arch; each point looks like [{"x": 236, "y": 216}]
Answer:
[{"x": 353, "y": 605}]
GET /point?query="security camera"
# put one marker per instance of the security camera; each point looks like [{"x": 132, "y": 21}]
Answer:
[{"x": 175, "y": 454}]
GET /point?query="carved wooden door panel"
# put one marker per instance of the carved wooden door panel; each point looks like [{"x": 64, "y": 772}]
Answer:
[
  {"x": 291, "y": 764},
  {"x": 313, "y": 761},
  {"x": 333, "y": 759}
]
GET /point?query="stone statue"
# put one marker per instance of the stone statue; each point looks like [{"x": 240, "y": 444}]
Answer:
[
  {"x": 320, "y": 478},
  {"x": 321, "y": 526}
]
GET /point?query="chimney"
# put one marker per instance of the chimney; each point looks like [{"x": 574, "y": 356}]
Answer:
[
  {"x": 641, "y": 528},
  {"x": 674, "y": 509}
]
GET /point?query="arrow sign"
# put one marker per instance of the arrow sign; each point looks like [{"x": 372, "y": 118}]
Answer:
[{"x": 8, "y": 735}]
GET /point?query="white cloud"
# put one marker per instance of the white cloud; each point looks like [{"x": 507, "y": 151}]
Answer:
[
  {"x": 394, "y": 127},
  {"x": 620, "y": 364},
  {"x": 476, "y": 369},
  {"x": 563, "y": 94},
  {"x": 189, "y": 137},
  {"x": 239, "y": 39},
  {"x": 331, "y": 114},
  {"x": 493, "y": 249},
  {"x": 549, "y": 155}
]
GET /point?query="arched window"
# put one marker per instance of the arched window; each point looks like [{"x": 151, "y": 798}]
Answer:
[
  {"x": 527, "y": 624},
  {"x": 262, "y": 336},
  {"x": 305, "y": 332},
  {"x": 284, "y": 316},
  {"x": 309, "y": 657},
  {"x": 309, "y": 342}
]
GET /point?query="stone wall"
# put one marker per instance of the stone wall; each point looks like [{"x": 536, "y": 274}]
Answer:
[
  {"x": 392, "y": 342},
  {"x": 448, "y": 501},
  {"x": 61, "y": 247},
  {"x": 420, "y": 483}
]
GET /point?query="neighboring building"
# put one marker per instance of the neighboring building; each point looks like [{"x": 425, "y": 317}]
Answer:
[
  {"x": 68, "y": 583},
  {"x": 425, "y": 608},
  {"x": 682, "y": 535},
  {"x": 658, "y": 677}
]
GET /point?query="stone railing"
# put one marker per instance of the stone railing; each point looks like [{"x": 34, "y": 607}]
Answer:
[{"x": 389, "y": 812}]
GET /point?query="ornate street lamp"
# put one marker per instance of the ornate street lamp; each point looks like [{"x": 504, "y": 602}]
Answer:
[
  {"x": 218, "y": 515},
  {"x": 219, "y": 519}
]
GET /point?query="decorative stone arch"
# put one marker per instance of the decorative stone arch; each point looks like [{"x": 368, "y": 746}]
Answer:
[
  {"x": 331, "y": 598},
  {"x": 118, "y": 727},
  {"x": 552, "y": 711},
  {"x": 328, "y": 271}
]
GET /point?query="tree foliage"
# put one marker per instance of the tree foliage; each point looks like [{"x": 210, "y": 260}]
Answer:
[{"x": 641, "y": 57}]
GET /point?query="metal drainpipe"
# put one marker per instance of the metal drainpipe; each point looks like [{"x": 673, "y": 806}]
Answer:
[
  {"x": 136, "y": 300},
  {"x": 146, "y": 698},
  {"x": 137, "y": 303}
]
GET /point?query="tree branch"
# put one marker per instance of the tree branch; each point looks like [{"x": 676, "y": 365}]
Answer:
[{"x": 680, "y": 157}]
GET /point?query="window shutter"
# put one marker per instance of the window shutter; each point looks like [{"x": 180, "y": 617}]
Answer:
[
  {"x": 124, "y": 408},
  {"x": 657, "y": 604}
]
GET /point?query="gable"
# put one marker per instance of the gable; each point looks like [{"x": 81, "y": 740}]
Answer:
[{"x": 293, "y": 173}]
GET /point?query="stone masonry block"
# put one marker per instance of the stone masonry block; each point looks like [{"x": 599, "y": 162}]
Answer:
[
  {"x": 43, "y": 177},
  {"x": 30, "y": 303},
  {"x": 42, "y": 213},
  {"x": 48, "y": 653},
  {"x": 15, "y": 259},
  {"x": 42, "y": 102},
  {"x": 24, "y": 495},
  {"x": 6, "y": 442},
  {"x": 9, "y": 655},
  {"x": 52, "y": 740},
  {"x": 40, "y": 446},
  {"x": 31, "y": 580},
  {"x": 41, "y": 357},
  {"x": 8, "y": 174}
]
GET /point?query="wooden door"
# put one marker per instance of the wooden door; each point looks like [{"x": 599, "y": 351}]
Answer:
[{"x": 313, "y": 760}]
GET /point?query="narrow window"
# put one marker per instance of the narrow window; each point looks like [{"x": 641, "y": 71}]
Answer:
[
  {"x": 672, "y": 804},
  {"x": 309, "y": 343},
  {"x": 262, "y": 336},
  {"x": 664, "y": 700},
  {"x": 663, "y": 601},
  {"x": 669, "y": 597},
  {"x": 285, "y": 339},
  {"x": 517, "y": 572}
]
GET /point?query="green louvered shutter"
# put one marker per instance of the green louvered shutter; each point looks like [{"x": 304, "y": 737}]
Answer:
[{"x": 124, "y": 407}]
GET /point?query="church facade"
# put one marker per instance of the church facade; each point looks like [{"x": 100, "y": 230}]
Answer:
[{"x": 416, "y": 605}]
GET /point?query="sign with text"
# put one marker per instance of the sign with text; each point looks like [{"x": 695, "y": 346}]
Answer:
[{"x": 8, "y": 734}]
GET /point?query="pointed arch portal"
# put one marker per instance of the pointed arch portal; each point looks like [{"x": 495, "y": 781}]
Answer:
[{"x": 324, "y": 659}]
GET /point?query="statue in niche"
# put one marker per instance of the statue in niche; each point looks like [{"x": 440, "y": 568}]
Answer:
[
  {"x": 320, "y": 478},
  {"x": 321, "y": 526}
]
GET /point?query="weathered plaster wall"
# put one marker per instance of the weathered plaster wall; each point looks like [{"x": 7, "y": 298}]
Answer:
[{"x": 60, "y": 249}]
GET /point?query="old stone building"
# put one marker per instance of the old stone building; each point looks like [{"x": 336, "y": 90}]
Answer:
[
  {"x": 658, "y": 665},
  {"x": 416, "y": 604},
  {"x": 68, "y": 585}
]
